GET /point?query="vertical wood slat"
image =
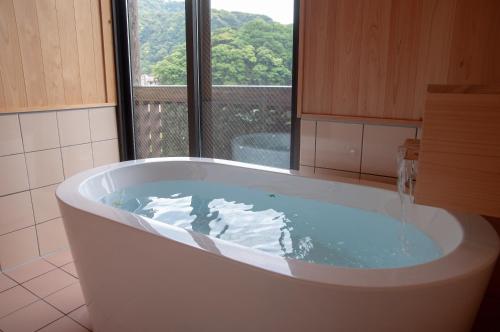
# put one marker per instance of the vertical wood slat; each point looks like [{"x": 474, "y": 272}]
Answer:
[
  {"x": 346, "y": 58},
  {"x": 109, "y": 62},
  {"x": 155, "y": 127},
  {"x": 373, "y": 61},
  {"x": 401, "y": 68},
  {"x": 434, "y": 48},
  {"x": 473, "y": 24},
  {"x": 31, "y": 52},
  {"x": 300, "y": 74},
  {"x": 141, "y": 132},
  {"x": 69, "y": 51},
  {"x": 10, "y": 58},
  {"x": 98, "y": 51},
  {"x": 317, "y": 67},
  {"x": 51, "y": 51},
  {"x": 84, "y": 37},
  {"x": 2, "y": 98}
]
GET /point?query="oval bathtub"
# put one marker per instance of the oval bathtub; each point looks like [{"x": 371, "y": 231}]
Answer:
[{"x": 138, "y": 274}]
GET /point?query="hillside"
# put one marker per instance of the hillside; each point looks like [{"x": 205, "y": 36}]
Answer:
[{"x": 246, "y": 48}]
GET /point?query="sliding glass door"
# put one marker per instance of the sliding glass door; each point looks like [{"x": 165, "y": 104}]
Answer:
[
  {"x": 214, "y": 79},
  {"x": 157, "y": 34}
]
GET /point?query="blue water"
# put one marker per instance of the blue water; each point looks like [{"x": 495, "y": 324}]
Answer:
[{"x": 287, "y": 226}]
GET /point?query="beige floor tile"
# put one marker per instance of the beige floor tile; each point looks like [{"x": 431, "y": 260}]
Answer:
[
  {"x": 30, "y": 270},
  {"x": 50, "y": 282},
  {"x": 60, "y": 258},
  {"x": 64, "y": 325},
  {"x": 18, "y": 247},
  {"x": 67, "y": 299},
  {"x": 6, "y": 282},
  {"x": 81, "y": 315},
  {"x": 14, "y": 299},
  {"x": 71, "y": 269},
  {"x": 30, "y": 318}
]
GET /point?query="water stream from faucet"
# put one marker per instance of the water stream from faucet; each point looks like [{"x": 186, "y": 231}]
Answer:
[{"x": 407, "y": 171}]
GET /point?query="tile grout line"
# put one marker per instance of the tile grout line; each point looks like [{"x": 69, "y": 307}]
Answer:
[
  {"x": 74, "y": 320},
  {"x": 29, "y": 187},
  {"x": 38, "y": 299},
  {"x": 31, "y": 262},
  {"x": 91, "y": 141}
]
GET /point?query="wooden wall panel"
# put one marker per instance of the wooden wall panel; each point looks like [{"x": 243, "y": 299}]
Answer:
[
  {"x": 346, "y": 56},
  {"x": 98, "y": 51},
  {"x": 109, "y": 60},
  {"x": 459, "y": 162},
  {"x": 10, "y": 57},
  {"x": 474, "y": 26},
  {"x": 69, "y": 51},
  {"x": 31, "y": 52},
  {"x": 383, "y": 70},
  {"x": 401, "y": 60},
  {"x": 373, "y": 61},
  {"x": 84, "y": 37},
  {"x": 51, "y": 51},
  {"x": 56, "y": 54},
  {"x": 2, "y": 97},
  {"x": 316, "y": 88},
  {"x": 435, "y": 42}
]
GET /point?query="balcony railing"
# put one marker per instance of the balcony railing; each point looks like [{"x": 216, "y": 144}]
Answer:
[{"x": 161, "y": 118}]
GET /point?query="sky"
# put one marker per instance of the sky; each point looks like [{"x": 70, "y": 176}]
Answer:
[{"x": 279, "y": 10}]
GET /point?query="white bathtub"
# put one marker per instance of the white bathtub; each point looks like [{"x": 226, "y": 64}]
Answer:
[{"x": 142, "y": 275}]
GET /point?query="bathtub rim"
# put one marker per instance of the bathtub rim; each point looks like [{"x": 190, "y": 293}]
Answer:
[{"x": 479, "y": 243}]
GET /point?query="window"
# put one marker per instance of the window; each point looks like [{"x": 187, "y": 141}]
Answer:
[{"x": 213, "y": 79}]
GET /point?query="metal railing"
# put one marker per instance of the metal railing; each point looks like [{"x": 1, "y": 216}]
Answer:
[{"x": 161, "y": 117}]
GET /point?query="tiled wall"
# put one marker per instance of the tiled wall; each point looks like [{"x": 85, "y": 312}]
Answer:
[
  {"x": 353, "y": 150},
  {"x": 38, "y": 151}
]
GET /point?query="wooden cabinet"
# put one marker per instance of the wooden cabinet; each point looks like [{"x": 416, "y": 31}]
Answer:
[
  {"x": 375, "y": 59},
  {"x": 459, "y": 159}
]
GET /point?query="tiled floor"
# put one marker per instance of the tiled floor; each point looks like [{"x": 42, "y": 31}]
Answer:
[{"x": 43, "y": 295}]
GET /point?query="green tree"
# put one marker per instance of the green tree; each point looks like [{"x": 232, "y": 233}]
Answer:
[{"x": 259, "y": 52}]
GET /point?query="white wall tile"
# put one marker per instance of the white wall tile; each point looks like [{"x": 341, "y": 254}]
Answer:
[
  {"x": 16, "y": 212},
  {"x": 74, "y": 127},
  {"x": 13, "y": 176},
  {"x": 380, "y": 148},
  {"x": 45, "y": 203},
  {"x": 44, "y": 168},
  {"x": 338, "y": 145},
  {"x": 306, "y": 171},
  {"x": 331, "y": 174},
  {"x": 103, "y": 123},
  {"x": 51, "y": 236},
  {"x": 39, "y": 131},
  {"x": 307, "y": 142},
  {"x": 10, "y": 135},
  {"x": 18, "y": 247},
  {"x": 76, "y": 159},
  {"x": 105, "y": 152}
]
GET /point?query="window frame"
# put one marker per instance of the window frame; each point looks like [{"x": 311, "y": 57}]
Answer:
[{"x": 196, "y": 11}]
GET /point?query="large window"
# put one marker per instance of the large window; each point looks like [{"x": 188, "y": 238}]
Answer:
[{"x": 213, "y": 79}]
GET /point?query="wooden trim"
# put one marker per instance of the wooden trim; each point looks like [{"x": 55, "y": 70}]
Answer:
[
  {"x": 464, "y": 89},
  {"x": 300, "y": 68},
  {"x": 361, "y": 119},
  {"x": 108, "y": 44},
  {"x": 55, "y": 108}
]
